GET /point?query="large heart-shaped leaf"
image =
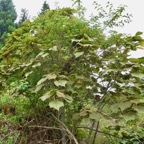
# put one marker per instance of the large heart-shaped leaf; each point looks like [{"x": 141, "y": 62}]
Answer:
[
  {"x": 46, "y": 96},
  {"x": 51, "y": 76},
  {"x": 124, "y": 105},
  {"x": 60, "y": 83},
  {"x": 96, "y": 116},
  {"x": 56, "y": 104}
]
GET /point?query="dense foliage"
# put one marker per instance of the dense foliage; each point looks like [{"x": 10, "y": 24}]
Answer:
[
  {"x": 8, "y": 16},
  {"x": 65, "y": 75}
]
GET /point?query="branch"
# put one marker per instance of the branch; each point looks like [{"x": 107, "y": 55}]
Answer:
[
  {"x": 96, "y": 131},
  {"x": 100, "y": 132},
  {"x": 90, "y": 133},
  {"x": 45, "y": 127},
  {"x": 75, "y": 140},
  {"x": 100, "y": 107}
]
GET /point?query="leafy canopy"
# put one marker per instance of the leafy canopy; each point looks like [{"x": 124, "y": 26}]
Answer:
[{"x": 68, "y": 62}]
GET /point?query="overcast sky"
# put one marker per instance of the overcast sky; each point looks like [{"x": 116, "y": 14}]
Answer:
[{"x": 135, "y": 7}]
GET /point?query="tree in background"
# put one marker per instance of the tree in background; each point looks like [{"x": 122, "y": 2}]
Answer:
[
  {"x": 8, "y": 16},
  {"x": 45, "y": 7},
  {"x": 24, "y": 15}
]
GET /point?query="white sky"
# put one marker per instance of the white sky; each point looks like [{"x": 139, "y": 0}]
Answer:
[{"x": 135, "y": 7}]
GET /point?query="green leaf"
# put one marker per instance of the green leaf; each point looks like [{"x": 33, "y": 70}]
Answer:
[
  {"x": 86, "y": 121},
  {"x": 114, "y": 108},
  {"x": 137, "y": 38},
  {"x": 129, "y": 116},
  {"x": 46, "y": 96},
  {"x": 83, "y": 113},
  {"x": 60, "y": 83},
  {"x": 139, "y": 108},
  {"x": 81, "y": 77},
  {"x": 139, "y": 33},
  {"x": 124, "y": 105},
  {"x": 76, "y": 116},
  {"x": 138, "y": 75},
  {"x": 78, "y": 54},
  {"x": 56, "y": 104},
  {"x": 90, "y": 39},
  {"x": 96, "y": 116},
  {"x": 135, "y": 101},
  {"x": 110, "y": 70}
]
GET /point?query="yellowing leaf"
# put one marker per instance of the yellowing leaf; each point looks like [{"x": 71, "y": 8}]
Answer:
[
  {"x": 90, "y": 39},
  {"x": 142, "y": 43},
  {"x": 46, "y": 96},
  {"x": 40, "y": 54},
  {"x": 60, "y": 94},
  {"x": 51, "y": 76},
  {"x": 85, "y": 45},
  {"x": 76, "y": 40},
  {"x": 78, "y": 54},
  {"x": 38, "y": 88},
  {"x": 41, "y": 81},
  {"x": 68, "y": 99},
  {"x": 54, "y": 48},
  {"x": 56, "y": 104},
  {"x": 60, "y": 83},
  {"x": 44, "y": 55},
  {"x": 36, "y": 65},
  {"x": 27, "y": 74}
]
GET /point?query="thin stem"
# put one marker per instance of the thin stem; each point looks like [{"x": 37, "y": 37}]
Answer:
[
  {"x": 96, "y": 131},
  {"x": 90, "y": 133},
  {"x": 76, "y": 142},
  {"x": 101, "y": 132},
  {"x": 94, "y": 121}
]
